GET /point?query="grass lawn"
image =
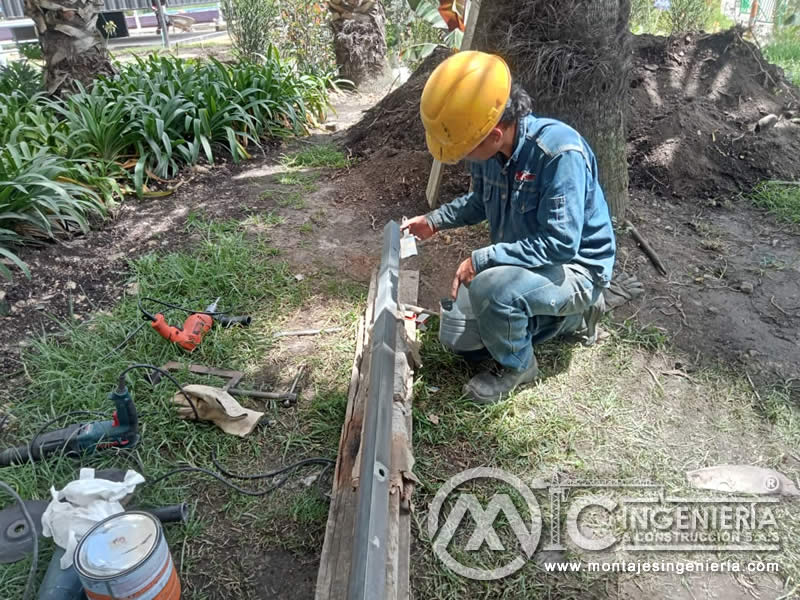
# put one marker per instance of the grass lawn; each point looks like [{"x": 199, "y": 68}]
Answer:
[
  {"x": 784, "y": 51},
  {"x": 77, "y": 369},
  {"x": 631, "y": 408},
  {"x": 782, "y": 199}
]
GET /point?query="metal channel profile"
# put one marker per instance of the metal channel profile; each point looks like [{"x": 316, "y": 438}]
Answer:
[{"x": 368, "y": 568}]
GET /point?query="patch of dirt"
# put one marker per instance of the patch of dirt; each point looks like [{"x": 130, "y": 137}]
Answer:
[
  {"x": 732, "y": 285},
  {"x": 394, "y": 121},
  {"x": 733, "y": 271}
]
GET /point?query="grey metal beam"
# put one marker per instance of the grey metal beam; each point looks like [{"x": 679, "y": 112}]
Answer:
[{"x": 368, "y": 567}]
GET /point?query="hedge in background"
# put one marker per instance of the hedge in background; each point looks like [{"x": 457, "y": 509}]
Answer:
[{"x": 63, "y": 161}]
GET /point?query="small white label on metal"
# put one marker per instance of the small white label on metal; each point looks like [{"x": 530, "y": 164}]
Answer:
[{"x": 408, "y": 245}]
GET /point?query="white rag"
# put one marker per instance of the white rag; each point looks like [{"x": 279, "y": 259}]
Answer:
[{"x": 80, "y": 505}]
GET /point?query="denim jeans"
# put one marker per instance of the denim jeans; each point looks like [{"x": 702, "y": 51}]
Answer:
[{"x": 518, "y": 308}]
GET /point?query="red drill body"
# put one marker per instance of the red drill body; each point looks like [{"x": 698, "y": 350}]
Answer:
[{"x": 191, "y": 334}]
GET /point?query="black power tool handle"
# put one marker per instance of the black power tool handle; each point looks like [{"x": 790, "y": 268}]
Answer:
[
  {"x": 229, "y": 321},
  {"x": 65, "y": 439}
]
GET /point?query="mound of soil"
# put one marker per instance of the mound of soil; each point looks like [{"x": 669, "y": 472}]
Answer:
[
  {"x": 394, "y": 121},
  {"x": 693, "y": 110},
  {"x": 691, "y": 119}
]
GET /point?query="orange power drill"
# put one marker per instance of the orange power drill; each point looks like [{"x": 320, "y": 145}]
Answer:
[{"x": 194, "y": 327}]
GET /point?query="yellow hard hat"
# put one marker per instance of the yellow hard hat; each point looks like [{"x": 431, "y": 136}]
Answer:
[{"x": 463, "y": 100}]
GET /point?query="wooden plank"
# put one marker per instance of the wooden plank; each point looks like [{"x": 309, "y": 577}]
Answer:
[
  {"x": 473, "y": 10},
  {"x": 434, "y": 183},
  {"x": 334, "y": 568},
  {"x": 334, "y": 572},
  {"x": 435, "y": 177}
]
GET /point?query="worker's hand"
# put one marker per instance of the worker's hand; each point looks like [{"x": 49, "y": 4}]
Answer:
[
  {"x": 464, "y": 275},
  {"x": 419, "y": 227}
]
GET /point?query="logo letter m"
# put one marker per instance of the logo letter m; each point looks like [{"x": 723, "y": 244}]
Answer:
[{"x": 484, "y": 524}]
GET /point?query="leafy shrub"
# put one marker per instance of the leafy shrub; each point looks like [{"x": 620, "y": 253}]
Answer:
[
  {"x": 30, "y": 50},
  {"x": 148, "y": 121},
  {"x": 687, "y": 15},
  {"x": 39, "y": 197},
  {"x": 676, "y": 16},
  {"x": 250, "y": 23},
  {"x": 20, "y": 76},
  {"x": 413, "y": 33}
]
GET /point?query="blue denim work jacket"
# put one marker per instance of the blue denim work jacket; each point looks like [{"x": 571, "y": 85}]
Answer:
[{"x": 544, "y": 204}]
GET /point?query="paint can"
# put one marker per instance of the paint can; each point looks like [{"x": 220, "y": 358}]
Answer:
[{"x": 126, "y": 556}]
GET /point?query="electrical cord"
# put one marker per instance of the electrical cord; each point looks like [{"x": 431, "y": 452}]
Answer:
[
  {"x": 152, "y": 317},
  {"x": 166, "y": 374},
  {"x": 34, "y": 534},
  {"x": 319, "y": 460},
  {"x": 4, "y": 420},
  {"x": 271, "y": 474},
  {"x": 221, "y": 479},
  {"x": 125, "y": 341}
]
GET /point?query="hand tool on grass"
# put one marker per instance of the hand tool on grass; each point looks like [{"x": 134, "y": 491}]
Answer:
[
  {"x": 196, "y": 325},
  {"x": 189, "y": 336},
  {"x": 233, "y": 377}
]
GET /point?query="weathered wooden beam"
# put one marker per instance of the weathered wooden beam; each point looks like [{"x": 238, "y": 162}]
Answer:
[
  {"x": 334, "y": 568},
  {"x": 335, "y": 562}
]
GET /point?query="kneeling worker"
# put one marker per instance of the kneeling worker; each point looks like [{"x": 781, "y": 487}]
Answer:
[{"x": 535, "y": 181}]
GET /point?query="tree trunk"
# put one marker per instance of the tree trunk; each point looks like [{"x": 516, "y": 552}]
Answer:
[
  {"x": 72, "y": 47},
  {"x": 574, "y": 61},
  {"x": 359, "y": 39}
]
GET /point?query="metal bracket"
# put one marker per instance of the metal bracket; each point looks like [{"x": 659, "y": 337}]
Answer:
[{"x": 233, "y": 377}]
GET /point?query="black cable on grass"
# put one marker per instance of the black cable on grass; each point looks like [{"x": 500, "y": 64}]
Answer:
[
  {"x": 170, "y": 305},
  {"x": 219, "y": 478},
  {"x": 127, "y": 339},
  {"x": 34, "y": 533},
  {"x": 166, "y": 374},
  {"x": 308, "y": 461},
  {"x": 224, "y": 473},
  {"x": 3, "y": 421}
]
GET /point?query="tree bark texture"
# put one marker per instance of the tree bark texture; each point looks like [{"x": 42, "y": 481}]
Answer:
[
  {"x": 359, "y": 39},
  {"x": 72, "y": 47},
  {"x": 573, "y": 58}
]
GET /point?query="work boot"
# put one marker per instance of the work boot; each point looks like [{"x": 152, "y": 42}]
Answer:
[{"x": 489, "y": 387}]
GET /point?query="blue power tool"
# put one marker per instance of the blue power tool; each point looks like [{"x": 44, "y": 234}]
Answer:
[{"x": 122, "y": 431}]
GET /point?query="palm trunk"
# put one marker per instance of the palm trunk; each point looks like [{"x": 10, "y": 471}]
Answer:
[
  {"x": 359, "y": 39},
  {"x": 573, "y": 57},
  {"x": 72, "y": 47}
]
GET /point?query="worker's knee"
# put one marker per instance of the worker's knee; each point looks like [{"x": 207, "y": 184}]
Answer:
[{"x": 494, "y": 287}]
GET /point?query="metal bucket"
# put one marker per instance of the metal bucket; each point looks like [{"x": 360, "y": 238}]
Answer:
[
  {"x": 126, "y": 556},
  {"x": 458, "y": 327}
]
